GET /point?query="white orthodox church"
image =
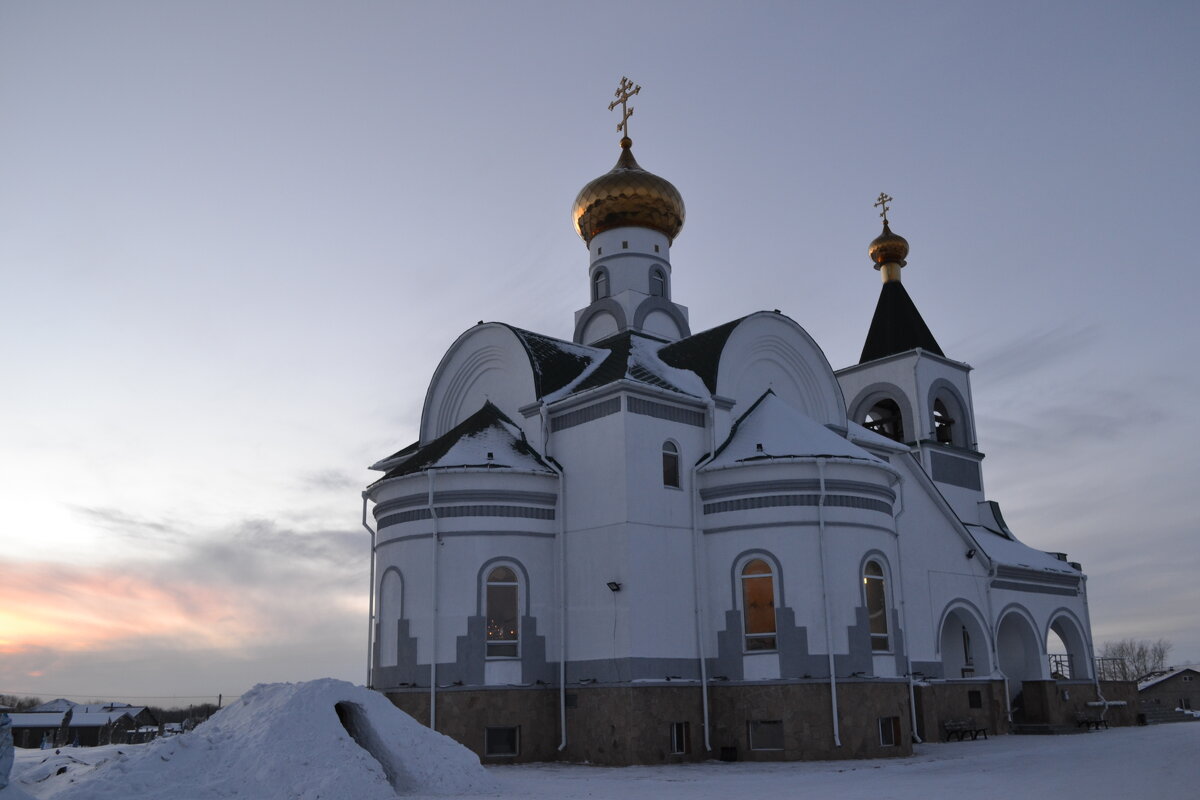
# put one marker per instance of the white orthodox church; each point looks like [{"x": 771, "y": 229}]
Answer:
[{"x": 648, "y": 544}]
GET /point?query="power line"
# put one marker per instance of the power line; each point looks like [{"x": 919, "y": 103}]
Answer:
[{"x": 65, "y": 695}]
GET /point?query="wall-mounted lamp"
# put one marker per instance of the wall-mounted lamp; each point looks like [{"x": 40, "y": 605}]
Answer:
[
  {"x": 971, "y": 553},
  {"x": 614, "y": 586}
]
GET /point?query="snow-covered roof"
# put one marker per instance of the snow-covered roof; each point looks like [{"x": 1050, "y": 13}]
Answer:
[
  {"x": 97, "y": 719},
  {"x": 1164, "y": 674},
  {"x": 485, "y": 440},
  {"x": 634, "y": 357},
  {"x": 37, "y": 719},
  {"x": 61, "y": 704},
  {"x": 782, "y": 432},
  {"x": 1013, "y": 553}
]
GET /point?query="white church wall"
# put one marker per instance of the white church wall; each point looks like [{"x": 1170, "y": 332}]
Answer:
[
  {"x": 659, "y": 323},
  {"x": 770, "y": 351},
  {"x": 485, "y": 363}
]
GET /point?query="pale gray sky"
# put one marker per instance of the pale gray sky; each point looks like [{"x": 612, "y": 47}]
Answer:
[{"x": 236, "y": 237}]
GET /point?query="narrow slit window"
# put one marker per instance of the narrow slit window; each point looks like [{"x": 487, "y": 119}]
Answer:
[
  {"x": 670, "y": 464},
  {"x": 658, "y": 284},
  {"x": 599, "y": 285},
  {"x": 875, "y": 590}
]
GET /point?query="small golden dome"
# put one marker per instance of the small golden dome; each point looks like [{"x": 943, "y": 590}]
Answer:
[
  {"x": 628, "y": 196},
  {"x": 888, "y": 248}
]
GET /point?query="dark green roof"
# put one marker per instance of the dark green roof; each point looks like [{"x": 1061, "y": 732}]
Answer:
[{"x": 897, "y": 326}]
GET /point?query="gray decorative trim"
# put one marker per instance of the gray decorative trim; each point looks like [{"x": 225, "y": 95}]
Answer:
[
  {"x": 450, "y": 512},
  {"x": 806, "y": 485},
  {"x": 407, "y": 501},
  {"x": 525, "y": 512},
  {"x": 1020, "y": 573},
  {"x": 585, "y": 414},
  {"x": 867, "y": 526},
  {"x": 955, "y": 471},
  {"x": 651, "y": 304},
  {"x": 1025, "y": 587},
  {"x": 452, "y": 534},
  {"x": 501, "y": 495},
  {"x": 789, "y": 500},
  {"x": 402, "y": 517},
  {"x": 648, "y": 408},
  {"x": 605, "y": 305}
]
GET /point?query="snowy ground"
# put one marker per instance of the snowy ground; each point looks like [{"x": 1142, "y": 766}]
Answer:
[{"x": 1160, "y": 762}]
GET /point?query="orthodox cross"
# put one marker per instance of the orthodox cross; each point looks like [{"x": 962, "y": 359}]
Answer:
[
  {"x": 625, "y": 90},
  {"x": 883, "y": 200}
]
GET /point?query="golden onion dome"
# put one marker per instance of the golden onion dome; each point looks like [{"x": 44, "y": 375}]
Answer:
[
  {"x": 888, "y": 248},
  {"x": 628, "y": 196}
]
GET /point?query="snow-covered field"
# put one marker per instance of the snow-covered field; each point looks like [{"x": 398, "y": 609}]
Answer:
[{"x": 1161, "y": 762}]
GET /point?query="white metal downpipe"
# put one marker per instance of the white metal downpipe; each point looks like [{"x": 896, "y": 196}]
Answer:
[
  {"x": 912, "y": 694},
  {"x": 698, "y": 593},
  {"x": 837, "y": 737},
  {"x": 1087, "y": 615},
  {"x": 371, "y": 601},
  {"x": 436, "y": 542},
  {"x": 562, "y": 581}
]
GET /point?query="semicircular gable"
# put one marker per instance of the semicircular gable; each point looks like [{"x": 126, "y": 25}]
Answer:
[
  {"x": 768, "y": 350},
  {"x": 488, "y": 362}
]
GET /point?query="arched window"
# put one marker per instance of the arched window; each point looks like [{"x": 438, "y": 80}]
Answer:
[
  {"x": 875, "y": 591},
  {"x": 391, "y": 595},
  {"x": 943, "y": 423},
  {"x": 503, "y": 614},
  {"x": 884, "y": 418},
  {"x": 600, "y": 284},
  {"x": 658, "y": 283},
  {"x": 670, "y": 459},
  {"x": 758, "y": 605}
]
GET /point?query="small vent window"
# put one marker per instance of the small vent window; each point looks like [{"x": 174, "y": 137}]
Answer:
[
  {"x": 502, "y": 741},
  {"x": 681, "y": 739},
  {"x": 766, "y": 734},
  {"x": 889, "y": 731}
]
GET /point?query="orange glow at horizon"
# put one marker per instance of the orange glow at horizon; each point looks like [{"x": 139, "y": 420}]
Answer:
[{"x": 71, "y": 608}]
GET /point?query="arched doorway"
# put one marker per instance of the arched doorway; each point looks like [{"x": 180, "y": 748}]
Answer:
[
  {"x": 963, "y": 645},
  {"x": 1019, "y": 654},
  {"x": 1067, "y": 648}
]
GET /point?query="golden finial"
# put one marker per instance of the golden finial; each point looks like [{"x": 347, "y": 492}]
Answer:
[
  {"x": 625, "y": 90},
  {"x": 883, "y": 200},
  {"x": 888, "y": 250}
]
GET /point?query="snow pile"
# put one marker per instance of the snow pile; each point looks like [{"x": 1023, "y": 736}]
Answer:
[{"x": 322, "y": 739}]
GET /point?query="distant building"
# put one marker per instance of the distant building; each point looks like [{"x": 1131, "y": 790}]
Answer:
[
  {"x": 1169, "y": 689},
  {"x": 87, "y": 725},
  {"x": 647, "y": 544}
]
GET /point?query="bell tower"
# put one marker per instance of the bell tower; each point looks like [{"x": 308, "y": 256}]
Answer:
[{"x": 905, "y": 388}]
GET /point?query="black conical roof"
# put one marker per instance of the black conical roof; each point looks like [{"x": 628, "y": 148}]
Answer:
[{"x": 897, "y": 326}]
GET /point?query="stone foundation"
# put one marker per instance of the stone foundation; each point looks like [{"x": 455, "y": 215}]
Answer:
[{"x": 657, "y": 724}]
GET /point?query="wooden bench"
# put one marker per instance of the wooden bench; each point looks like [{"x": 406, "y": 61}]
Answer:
[
  {"x": 1093, "y": 722},
  {"x": 960, "y": 729}
]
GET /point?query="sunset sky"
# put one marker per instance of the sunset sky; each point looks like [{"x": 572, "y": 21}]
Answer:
[{"x": 236, "y": 237}]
